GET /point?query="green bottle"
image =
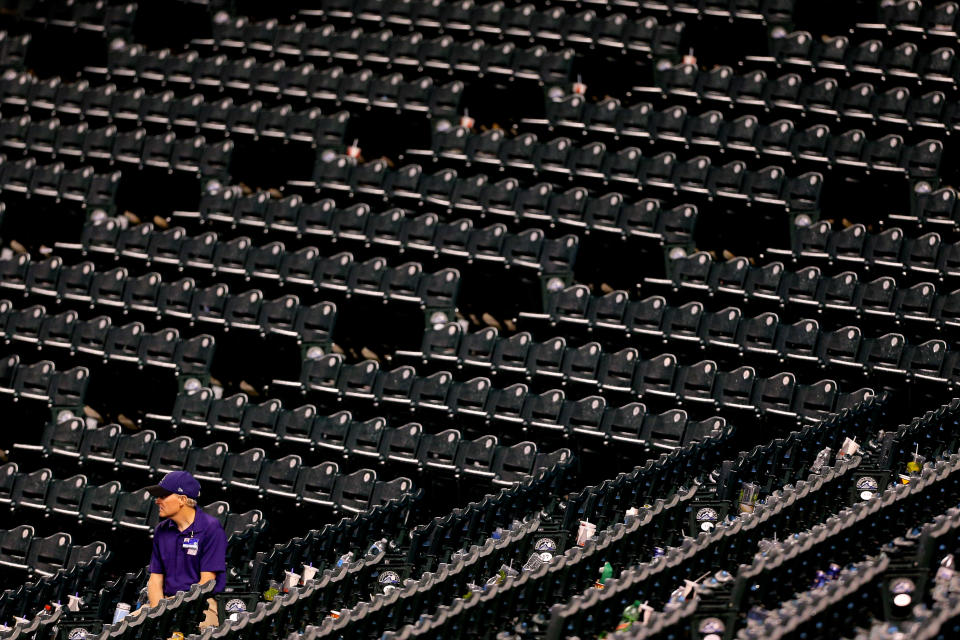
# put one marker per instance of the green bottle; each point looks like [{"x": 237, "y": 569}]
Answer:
[{"x": 605, "y": 573}]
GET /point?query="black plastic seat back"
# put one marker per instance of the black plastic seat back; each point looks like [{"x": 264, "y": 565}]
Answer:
[
  {"x": 439, "y": 450},
  {"x": 134, "y": 510},
  {"x": 30, "y": 489},
  {"x": 15, "y": 546},
  {"x": 100, "y": 503},
  {"x": 242, "y": 470},
  {"x": 100, "y": 444},
  {"x": 65, "y": 496},
  {"x": 135, "y": 450},
  {"x": 516, "y": 462},
  {"x": 316, "y": 485},
  {"x": 49, "y": 555},
  {"x": 353, "y": 492},
  {"x": 401, "y": 444},
  {"x": 279, "y": 477}
]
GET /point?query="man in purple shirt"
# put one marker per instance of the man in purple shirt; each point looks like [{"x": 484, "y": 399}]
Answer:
[{"x": 189, "y": 546}]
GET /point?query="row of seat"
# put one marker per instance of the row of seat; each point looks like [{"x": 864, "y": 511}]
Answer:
[
  {"x": 683, "y": 325},
  {"x": 303, "y": 428},
  {"x": 108, "y": 504},
  {"x": 934, "y": 208},
  {"x": 854, "y": 247},
  {"x": 485, "y": 21},
  {"x": 41, "y": 381},
  {"x": 469, "y": 563},
  {"x": 235, "y": 417},
  {"x": 98, "y": 336},
  {"x": 550, "y": 411},
  {"x": 810, "y": 289},
  {"x": 870, "y": 57},
  {"x": 408, "y": 445},
  {"x": 80, "y": 143},
  {"x": 251, "y": 470},
  {"x": 611, "y": 213},
  {"x": 505, "y": 199},
  {"x": 397, "y": 229},
  {"x": 86, "y": 15},
  {"x": 725, "y": 331},
  {"x": 432, "y": 14},
  {"x": 394, "y": 228},
  {"x": 264, "y": 618},
  {"x": 179, "y": 300},
  {"x": 201, "y": 411},
  {"x": 560, "y": 158},
  {"x": 806, "y": 288},
  {"x": 116, "y": 288},
  {"x": 440, "y": 56},
  {"x": 935, "y": 20},
  {"x": 332, "y": 546},
  {"x": 363, "y": 88},
  {"x": 21, "y": 549},
  {"x": 747, "y": 134},
  {"x": 679, "y": 615},
  {"x": 851, "y": 104},
  {"x": 770, "y": 12},
  {"x": 83, "y": 185},
  {"x": 157, "y": 110},
  {"x": 133, "y": 63}
]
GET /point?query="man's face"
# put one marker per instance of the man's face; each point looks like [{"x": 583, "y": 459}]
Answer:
[{"x": 170, "y": 505}]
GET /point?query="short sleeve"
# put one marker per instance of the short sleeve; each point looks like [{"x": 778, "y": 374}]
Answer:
[
  {"x": 213, "y": 554},
  {"x": 156, "y": 562}
]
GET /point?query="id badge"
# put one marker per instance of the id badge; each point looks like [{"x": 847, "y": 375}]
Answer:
[{"x": 191, "y": 545}]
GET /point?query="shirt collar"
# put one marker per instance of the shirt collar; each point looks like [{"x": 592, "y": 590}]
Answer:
[{"x": 193, "y": 526}]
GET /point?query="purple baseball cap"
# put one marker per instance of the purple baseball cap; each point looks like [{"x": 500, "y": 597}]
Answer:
[{"x": 179, "y": 482}]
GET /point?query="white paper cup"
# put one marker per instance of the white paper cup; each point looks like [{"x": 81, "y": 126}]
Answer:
[{"x": 292, "y": 580}]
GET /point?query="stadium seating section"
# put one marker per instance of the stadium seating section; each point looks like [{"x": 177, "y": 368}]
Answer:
[{"x": 483, "y": 319}]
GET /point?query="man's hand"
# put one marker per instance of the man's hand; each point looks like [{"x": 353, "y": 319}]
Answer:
[
  {"x": 155, "y": 589},
  {"x": 207, "y": 576}
]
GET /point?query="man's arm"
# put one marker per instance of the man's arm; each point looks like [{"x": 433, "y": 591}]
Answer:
[
  {"x": 155, "y": 588},
  {"x": 213, "y": 552}
]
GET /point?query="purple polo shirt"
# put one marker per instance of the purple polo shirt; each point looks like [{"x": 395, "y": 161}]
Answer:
[{"x": 180, "y": 569}]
